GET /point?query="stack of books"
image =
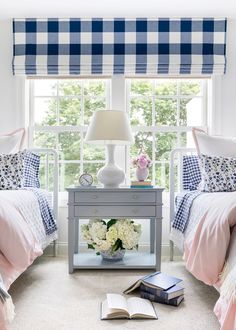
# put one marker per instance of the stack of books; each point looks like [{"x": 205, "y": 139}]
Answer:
[
  {"x": 141, "y": 184},
  {"x": 160, "y": 288}
]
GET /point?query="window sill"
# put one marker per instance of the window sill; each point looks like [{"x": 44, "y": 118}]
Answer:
[{"x": 63, "y": 199}]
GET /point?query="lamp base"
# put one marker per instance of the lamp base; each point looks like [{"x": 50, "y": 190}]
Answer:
[{"x": 111, "y": 176}]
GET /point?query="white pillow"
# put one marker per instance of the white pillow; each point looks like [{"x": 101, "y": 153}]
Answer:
[
  {"x": 11, "y": 142},
  {"x": 214, "y": 145}
]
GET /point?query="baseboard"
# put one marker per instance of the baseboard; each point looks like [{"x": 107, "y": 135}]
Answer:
[{"x": 62, "y": 249}]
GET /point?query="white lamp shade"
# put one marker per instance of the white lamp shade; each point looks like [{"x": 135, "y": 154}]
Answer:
[{"x": 109, "y": 127}]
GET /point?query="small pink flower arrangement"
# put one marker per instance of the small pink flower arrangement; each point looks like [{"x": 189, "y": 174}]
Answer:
[{"x": 142, "y": 161}]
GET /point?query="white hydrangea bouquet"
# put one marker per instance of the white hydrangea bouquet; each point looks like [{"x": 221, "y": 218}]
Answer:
[{"x": 111, "y": 236}]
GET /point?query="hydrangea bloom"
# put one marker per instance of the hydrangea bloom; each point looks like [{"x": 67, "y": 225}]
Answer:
[{"x": 113, "y": 235}]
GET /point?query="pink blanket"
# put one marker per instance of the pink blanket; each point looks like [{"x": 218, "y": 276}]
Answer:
[
  {"x": 205, "y": 250},
  {"x": 18, "y": 244}
]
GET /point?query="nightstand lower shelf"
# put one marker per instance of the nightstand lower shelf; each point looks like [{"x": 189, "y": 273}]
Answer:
[
  {"x": 131, "y": 260},
  {"x": 114, "y": 203}
]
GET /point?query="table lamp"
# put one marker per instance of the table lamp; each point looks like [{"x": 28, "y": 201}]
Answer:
[{"x": 111, "y": 128}]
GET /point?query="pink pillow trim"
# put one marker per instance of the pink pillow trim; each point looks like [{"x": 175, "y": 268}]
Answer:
[{"x": 14, "y": 132}]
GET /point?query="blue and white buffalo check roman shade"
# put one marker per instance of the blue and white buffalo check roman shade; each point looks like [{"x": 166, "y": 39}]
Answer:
[{"x": 79, "y": 46}]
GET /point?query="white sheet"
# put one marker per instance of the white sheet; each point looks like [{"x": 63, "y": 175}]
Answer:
[{"x": 26, "y": 202}]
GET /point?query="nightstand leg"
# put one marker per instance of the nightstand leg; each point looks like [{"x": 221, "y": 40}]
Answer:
[
  {"x": 71, "y": 244},
  {"x": 158, "y": 243},
  {"x": 152, "y": 235},
  {"x": 76, "y": 247}
]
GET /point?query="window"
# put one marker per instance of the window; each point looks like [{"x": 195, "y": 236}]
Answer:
[
  {"x": 59, "y": 114},
  {"x": 162, "y": 112}
]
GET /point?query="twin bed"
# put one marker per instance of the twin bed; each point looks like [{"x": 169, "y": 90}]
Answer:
[
  {"x": 203, "y": 227},
  {"x": 27, "y": 224}
]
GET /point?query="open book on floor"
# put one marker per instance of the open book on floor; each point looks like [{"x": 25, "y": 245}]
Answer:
[
  {"x": 118, "y": 307},
  {"x": 159, "y": 281}
]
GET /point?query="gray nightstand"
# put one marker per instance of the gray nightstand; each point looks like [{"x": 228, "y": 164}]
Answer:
[{"x": 134, "y": 203}]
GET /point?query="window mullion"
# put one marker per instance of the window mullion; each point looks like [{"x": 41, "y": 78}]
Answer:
[
  {"x": 82, "y": 102},
  {"x": 204, "y": 103},
  {"x": 82, "y": 152},
  {"x": 31, "y": 114},
  {"x": 58, "y": 122},
  {"x": 118, "y": 103},
  {"x": 127, "y": 148},
  {"x": 153, "y": 134},
  {"x": 178, "y": 113}
]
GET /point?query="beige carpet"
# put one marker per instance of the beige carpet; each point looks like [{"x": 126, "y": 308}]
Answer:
[{"x": 48, "y": 298}]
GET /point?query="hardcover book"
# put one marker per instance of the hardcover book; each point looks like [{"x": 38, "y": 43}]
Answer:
[
  {"x": 118, "y": 307},
  {"x": 146, "y": 187},
  {"x": 141, "y": 183},
  {"x": 158, "y": 280},
  {"x": 174, "y": 291},
  {"x": 173, "y": 302}
]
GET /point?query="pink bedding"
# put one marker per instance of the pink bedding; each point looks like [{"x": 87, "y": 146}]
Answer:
[
  {"x": 206, "y": 250},
  {"x": 18, "y": 244}
]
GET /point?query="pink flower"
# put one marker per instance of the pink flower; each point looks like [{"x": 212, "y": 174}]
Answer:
[{"x": 142, "y": 161}]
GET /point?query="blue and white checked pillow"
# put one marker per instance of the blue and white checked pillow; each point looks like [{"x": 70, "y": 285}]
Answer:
[
  {"x": 31, "y": 170},
  {"x": 191, "y": 172}
]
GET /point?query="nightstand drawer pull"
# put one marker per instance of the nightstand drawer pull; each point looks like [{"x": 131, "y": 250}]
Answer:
[
  {"x": 95, "y": 211},
  {"x": 135, "y": 196},
  {"x": 95, "y": 196},
  {"x": 135, "y": 211}
]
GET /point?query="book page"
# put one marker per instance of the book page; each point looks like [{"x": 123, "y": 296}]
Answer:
[
  {"x": 116, "y": 301},
  {"x": 133, "y": 287},
  {"x": 106, "y": 311},
  {"x": 112, "y": 313},
  {"x": 142, "y": 307}
]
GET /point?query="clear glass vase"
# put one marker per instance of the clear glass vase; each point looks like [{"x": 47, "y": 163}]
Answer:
[{"x": 112, "y": 256}]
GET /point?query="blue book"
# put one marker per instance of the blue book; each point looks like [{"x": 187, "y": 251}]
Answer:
[
  {"x": 158, "y": 280},
  {"x": 134, "y": 186},
  {"x": 174, "y": 291},
  {"x": 173, "y": 302}
]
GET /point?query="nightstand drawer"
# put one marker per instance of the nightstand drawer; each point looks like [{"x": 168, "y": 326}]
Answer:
[
  {"x": 116, "y": 211},
  {"x": 117, "y": 197}
]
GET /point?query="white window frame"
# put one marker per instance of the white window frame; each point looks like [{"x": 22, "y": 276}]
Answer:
[
  {"x": 118, "y": 99},
  {"x": 60, "y": 128},
  {"x": 167, "y": 129}
]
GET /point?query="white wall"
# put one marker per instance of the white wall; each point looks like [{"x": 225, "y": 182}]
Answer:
[
  {"x": 11, "y": 98},
  {"x": 228, "y": 95}
]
